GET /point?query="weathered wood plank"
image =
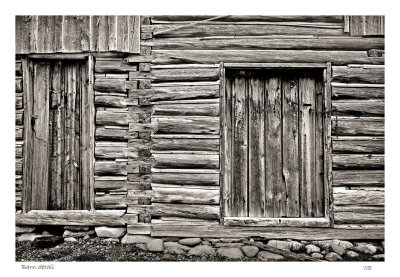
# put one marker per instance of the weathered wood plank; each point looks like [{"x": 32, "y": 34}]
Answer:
[
  {"x": 356, "y": 25},
  {"x": 178, "y": 74},
  {"x": 110, "y": 168},
  {"x": 346, "y": 92},
  {"x": 290, "y": 143},
  {"x": 110, "y": 101},
  {"x": 240, "y": 109},
  {"x": 374, "y": 25},
  {"x": 256, "y": 138},
  {"x": 19, "y": 132},
  {"x": 186, "y": 125},
  {"x": 186, "y": 179},
  {"x": 111, "y": 150},
  {"x": 186, "y": 161},
  {"x": 346, "y": 74},
  {"x": 110, "y": 185},
  {"x": 46, "y": 34},
  {"x": 372, "y": 145},
  {"x": 184, "y": 195},
  {"x": 112, "y": 117},
  {"x": 294, "y": 42},
  {"x": 184, "y": 92},
  {"x": 359, "y": 126},
  {"x": 276, "y": 222},
  {"x": 359, "y": 178},
  {"x": 110, "y": 85},
  {"x": 22, "y": 34},
  {"x": 358, "y": 161},
  {"x": 187, "y": 109},
  {"x": 319, "y": 186},
  {"x": 134, "y": 34},
  {"x": 359, "y": 218},
  {"x": 259, "y": 56},
  {"x": 358, "y": 107},
  {"x": 110, "y": 133},
  {"x": 359, "y": 197},
  {"x": 72, "y": 34},
  {"x": 185, "y": 144}
]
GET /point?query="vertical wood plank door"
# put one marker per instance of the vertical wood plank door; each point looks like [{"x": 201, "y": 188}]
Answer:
[
  {"x": 274, "y": 143},
  {"x": 57, "y": 117}
]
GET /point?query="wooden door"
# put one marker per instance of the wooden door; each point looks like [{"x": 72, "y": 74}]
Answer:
[
  {"x": 56, "y": 160},
  {"x": 275, "y": 143}
]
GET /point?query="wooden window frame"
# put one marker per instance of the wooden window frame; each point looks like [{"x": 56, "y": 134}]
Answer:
[
  {"x": 327, "y": 220},
  {"x": 27, "y": 82}
]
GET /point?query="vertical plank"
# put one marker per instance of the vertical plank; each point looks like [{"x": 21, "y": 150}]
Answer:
[
  {"x": 319, "y": 148},
  {"x": 112, "y": 27},
  {"x": 22, "y": 34},
  {"x": 240, "y": 146},
  {"x": 134, "y": 34},
  {"x": 27, "y": 70},
  {"x": 290, "y": 142},
  {"x": 58, "y": 31},
  {"x": 84, "y": 24},
  {"x": 85, "y": 139},
  {"x": 328, "y": 193},
  {"x": 88, "y": 154},
  {"x": 256, "y": 147},
  {"x": 46, "y": 30},
  {"x": 356, "y": 25},
  {"x": 122, "y": 34},
  {"x": 275, "y": 187},
  {"x": 94, "y": 32},
  {"x": 373, "y": 25},
  {"x": 33, "y": 34},
  {"x": 76, "y": 134},
  {"x": 227, "y": 146},
  {"x": 103, "y": 34},
  {"x": 40, "y": 133},
  {"x": 69, "y": 136},
  {"x": 346, "y": 24},
  {"x": 71, "y": 34},
  {"x": 307, "y": 138}
]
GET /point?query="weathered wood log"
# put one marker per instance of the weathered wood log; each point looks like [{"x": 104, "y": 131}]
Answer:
[
  {"x": 184, "y": 221},
  {"x": 110, "y": 101},
  {"x": 110, "y": 168},
  {"x": 360, "y": 209},
  {"x": 259, "y": 56},
  {"x": 112, "y": 117},
  {"x": 203, "y": 29},
  {"x": 285, "y": 253},
  {"x": 179, "y": 194},
  {"x": 111, "y": 185},
  {"x": 185, "y": 92},
  {"x": 177, "y": 74},
  {"x": 183, "y": 210},
  {"x": 18, "y": 85},
  {"x": 346, "y": 74},
  {"x": 111, "y": 150},
  {"x": 18, "y": 68},
  {"x": 186, "y": 161},
  {"x": 371, "y": 145},
  {"x": 359, "y": 226},
  {"x": 234, "y": 18},
  {"x": 72, "y": 218},
  {"x": 347, "y": 92},
  {"x": 277, "y": 222},
  {"x": 358, "y": 126},
  {"x": 358, "y": 107},
  {"x": 358, "y": 178},
  {"x": 185, "y": 144},
  {"x": 187, "y": 109},
  {"x": 19, "y": 101},
  {"x": 110, "y": 133},
  {"x": 19, "y": 117},
  {"x": 359, "y": 218},
  {"x": 19, "y": 132},
  {"x": 294, "y": 42},
  {"x": 358, "y": 161},
  {"x": 111, "y": 201},
  {"x": 18, "y": 149},
  {"x": 18, "y": 166},
  {"x": 359, "y": 197},
  {"x": 110, "y": 65},
  {"x": 186, "y": 179},
  {"x": 110, "y": 85},
  {"x": 186, "y": 125}
]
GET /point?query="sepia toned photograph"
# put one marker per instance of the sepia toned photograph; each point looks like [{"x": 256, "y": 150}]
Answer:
[{"x": 214, "y": 138}]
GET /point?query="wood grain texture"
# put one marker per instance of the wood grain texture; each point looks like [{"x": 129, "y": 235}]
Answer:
[
  {"x": 366, "y": 93},
  {"x": 358, "y": 126},
  {"x": 195, "y": 144},
  {"x": 210, "y": 161},
  {"x": 184, "y": 195},
  {"x": 358, "y": 107},
  {"x": 186, "y": 125},
  {"x": 373, "y": 178},
  {"x": 346, "y": 74},
  {"x": 186, "y": 179},
  {"x": 359, "y": 197},
  {"x": 372, "y": 145},
  {"x": 358, "y": 161}
]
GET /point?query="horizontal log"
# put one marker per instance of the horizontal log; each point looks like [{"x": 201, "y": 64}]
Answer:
[
  {"x": 184, "y": 210},
  {"x": 266, "y": 56},
  {"x": 267, "y": 232},
  {"x": 110, "y": 185},
  {"x": 370, "y": 145},
  {"x": 186, "y": 125},
  {"x": 197, "y": 222},
  {"x": 358, "y": 161},
  {"x": 277, "y": 222},
  {"x": 360, "y": 209},
  {"x": 139, "y": 229},
  {"x": 346, "y": 74},
  {"x": 19, "y": 117},
  {"x": 18, "y": 85},
  {"x": 186, "y": 161},
  {"x": 254, "y": 18},
  {"x": 110, "y": 168},
  {"x": 186, "y": 179},
  {"x": 358, "y": 178},
  {"x": 185, "y": 144},
  {"x": 18, "y": 150},
  {"x": 187, "y": 109},
  {"x": 18, "y": 68},
  {"x": 178, "y": 74},
  {"x": 110, "y": 101},
  {"x": 359, "y": 226},
  {"x": 109, "y": 201},
  {"x": 358, "y": 218},
  {"x": 265, "y": 43},
  {"x": 18, "y": 166},
  {"x": 206, "y": 30},
  {"x": 111, "y": 150},
  {"x": 184, "y": 84},
  {"x": 179, "y": 194},
  {"x": 19, "y": 132},
  {"x": 112, "y": 133},
  {"x": 19, "y": 101},
  {"x": 109, "y": 65},
  {"x": 358, "y": 93},
  {"x": 358, "y": 107},
  {"x": 110, "y": 85},
  {"x": 112, "y": 117},
  {"x": 359, "y": 126},
  {"x": 72, "y": 218},
  {"x": 184, "y": 92},
  {"x": 359, "y": 197}
]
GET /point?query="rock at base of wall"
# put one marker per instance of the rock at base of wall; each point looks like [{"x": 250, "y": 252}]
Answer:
[
  {"x": 352, "y": 254},
  {"x": 311, "y": 248},
  {"x": 136, "y": 239},
  {"x": 70, "y": 239},
  {"x": 24, "y": 229},
  {"x": 332, "y": 257},
  {"x": 202, "y": 250},
  {"x": 76, "y": 228},
  {"x": 250, "y": 250},
  {"x": 28, "y": 237},
  {"x": 268, "y": 256},
  {"x": 296, "y": 246},
  {"x": 175, "y": 248},
  {"x": 190, "y": 241},
  {"x": 155, "y": 245},
  {"x": 110, "y": 232},
  {"x": 284, "y": 245},
  {"x": 77, "y": 234},
  {"x": 379, "y": 257},
  {"x": 47, "y": 242},
  {"x": 365, "y": 248},
  {"x": 230, "y": 253},
  {"x": 337, "y": 248},
  {"x": 317, "y": 255}
]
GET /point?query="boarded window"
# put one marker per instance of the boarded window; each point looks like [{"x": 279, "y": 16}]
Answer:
[
  {"x": 275, "y": 143},
  {"x": 57, "y": 159}
]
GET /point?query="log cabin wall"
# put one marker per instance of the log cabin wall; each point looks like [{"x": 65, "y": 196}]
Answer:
[{"x": 157, "y": 135}]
